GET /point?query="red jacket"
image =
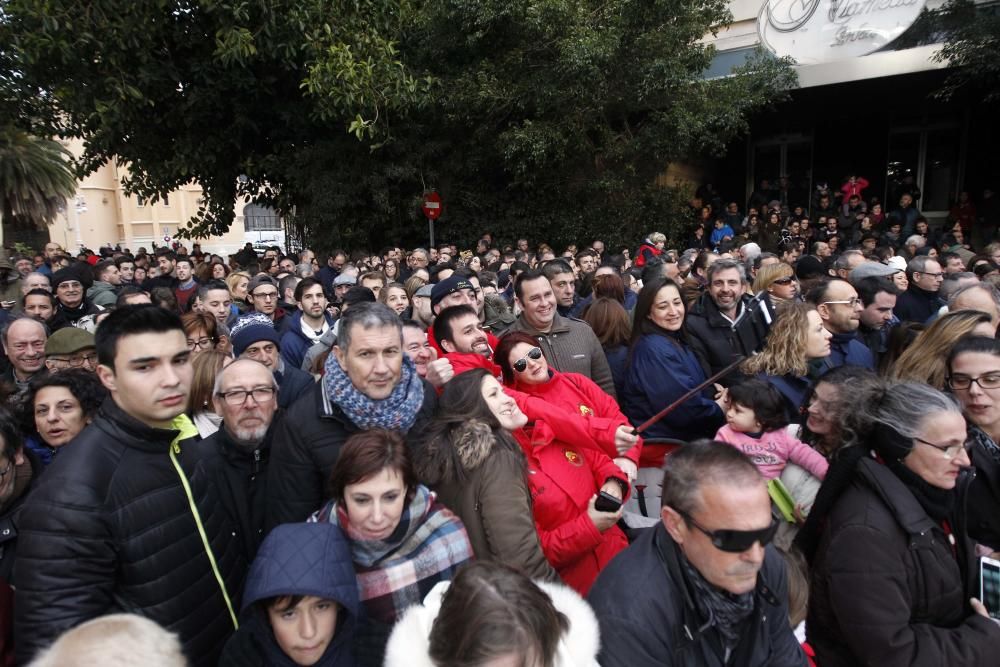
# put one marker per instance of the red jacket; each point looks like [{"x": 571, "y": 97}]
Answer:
[
  {"x": 857, "y": 188},
  {"x": 493, "y": 341},
  {"x": 579, "y": 395},
  {"x": 562, "y": 478},
  {"x": 640, "y": 256},
  {"x": 466, "y": 361}
]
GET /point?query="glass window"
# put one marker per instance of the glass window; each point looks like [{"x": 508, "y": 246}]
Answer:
[
  {"x": 260, "y": 219},
  {"x": 904, "y": 161},
  {"x": 940, "y": 169}
]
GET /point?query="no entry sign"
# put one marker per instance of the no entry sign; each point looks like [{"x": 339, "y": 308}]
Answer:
[{"x": 432, "y": 206}]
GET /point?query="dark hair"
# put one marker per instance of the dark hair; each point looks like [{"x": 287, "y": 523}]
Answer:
[
  {"x": 641, "y": 324},
  {"x": 443, "y": 322},
  {"x": 609, "y": 285},
  {"x": 165, "y": 298},
  {"x": 767, "y": 403},
  {"x": 501, "y": 356},
  {"x": 556, "y": 266},
  {"x": 101, "y": 267},
  {"x": 305, "y": 284},
  {"x": 491, "y": 610},
  {"x": 609, "y": 320},
  {"x": 368, "y": 453},
  {"x": 126, "y": 292},
  {"x": 704, "y": 462},
  {"x": 39, "y": 292},
  {"x": 530, "y": 274},
  {"x": 131, "y": 321},
  {"x": 12, "y": 439},
  {"x": 973, "y": 345},
  {"x": 869, "y": 288},
  {"x": 210, "y": 286},
  {"x": 83, "y": 384}
]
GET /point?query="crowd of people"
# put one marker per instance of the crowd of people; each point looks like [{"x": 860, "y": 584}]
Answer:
[{"x": 453, "y": 456}]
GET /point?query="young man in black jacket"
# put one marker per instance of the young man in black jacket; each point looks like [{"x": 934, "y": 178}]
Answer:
[{"x": 121, "y": 522}]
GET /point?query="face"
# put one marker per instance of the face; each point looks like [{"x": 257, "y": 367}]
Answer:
[
  {"x": 58, "y": 415},
  {"x": 501, "y": 405},
  {"x": 587, "y": 264},
  {"x": 51, "y": 250},
  {"x": 538, "y": 303},
  {"x": 930, "y": 279},
  {"x": 742, "y": 419},
  {"x": 38, "y": 307},
  {"x": 374, "y": 361},
  {"x": 183, "y": 271},
  {"x": 954, "y": 265},
  {"x": 263, "y": 351},
  {"x": 304, "y": 631},
  {"x": 417, "y": 348},
  {"x": 564, "y": 287},
  {"x": 139, "y": 275},
  {"x": 981, "y": 406},
  {"x": 462, "y": 297},
  {"x": 743, "y": 507},
  {"x": 374, "y": 284},
  {"x": 25, "y": 346},
  {"x": 841, "y": 317},
  {"x": 823, "y": 409},
  {"x": 946, "y": 429},
  {"x": 375, "y": 504},
  {"x": 217, "y": 304},
  {"x": 313, "y": 302},
  {"x": 419, "y": 260},
  {"x": 165, "y": 265},
  {"x": 265, "y": 299},
  {"x": 817, "y": 337},
  {"x": 70, "y": 293},
  {"x": 340, "y": 290},
  {"x": 85, "y": 359},
  {"x": 151, "y": 377},
  {"x": 24, "y": 267},
  {"x": 248, "y": 421},
  {"x": 467, "y": 336},
  {"x": 784, "y": 287},
  {"x": 668, "y": 309},
  {"x": 535, "y": 372},
  {"x": 286, "y": 265},
  {"x": 879, "y": 312},
  {"x": 900, "y": 280}
]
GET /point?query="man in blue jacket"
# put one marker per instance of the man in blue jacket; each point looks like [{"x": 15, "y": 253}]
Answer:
[
  {"x": 840, "y": 309},
  {"x": 701, "y": 587},
  {"x": 308, "y": 324}
]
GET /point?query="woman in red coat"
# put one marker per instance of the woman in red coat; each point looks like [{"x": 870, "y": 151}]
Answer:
[{"x": 567, "y": 468}]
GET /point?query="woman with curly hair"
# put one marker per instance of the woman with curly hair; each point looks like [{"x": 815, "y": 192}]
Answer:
[
  {"x": 796, "y": 338},
  {"x": 925, "y": 360},
  {"x": 56, "y": 407}
]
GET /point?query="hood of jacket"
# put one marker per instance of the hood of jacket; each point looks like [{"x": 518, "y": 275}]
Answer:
[
  {"x": 469, "y": 446},
  {"x": 410, "y": 640}
]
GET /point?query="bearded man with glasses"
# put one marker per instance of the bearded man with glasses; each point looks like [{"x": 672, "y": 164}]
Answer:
[{"x": 702, "y": 587}]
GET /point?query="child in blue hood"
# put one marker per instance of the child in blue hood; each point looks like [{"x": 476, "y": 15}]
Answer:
[{"x": 300, "y": 604}]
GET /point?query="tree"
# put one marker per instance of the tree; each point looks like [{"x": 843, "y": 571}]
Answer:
[
  {"x": 550, "y": 118},
  {"x": 35, "y": 178},
  {"x": 971, "y": 47}
]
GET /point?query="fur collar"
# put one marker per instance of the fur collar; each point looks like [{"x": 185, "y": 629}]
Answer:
[
  {"x": 474, "y": 444},
  {"x": 409, "y": 643}
]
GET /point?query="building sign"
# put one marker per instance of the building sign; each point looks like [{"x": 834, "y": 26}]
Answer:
[{"x": 816, "y": 31}]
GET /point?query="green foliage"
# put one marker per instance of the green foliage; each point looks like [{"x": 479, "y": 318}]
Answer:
[
  {"x": 546, "y": 118},
  {"x": 972, "y": 48},
  {"x": 35, "y": 177}
]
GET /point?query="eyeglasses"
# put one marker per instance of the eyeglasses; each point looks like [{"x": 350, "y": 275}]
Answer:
[
  {"x": 963, "y": 382},
  {"x": 736, "y": 541},
  {"x": 76, "y": 362},
  {"x": 949, "y": 451},
  {"x": 784, "y": 281},
  {"x": 239, "y": 396},
  {"x": 202, "y": 343},
  {"x": 69, "y": 284},
  {"x": 849, "y": 302},
  {"x": 521, "y": 364},
  {"x": 266, "y": 296},
  {"x": 932, "y": 275}
]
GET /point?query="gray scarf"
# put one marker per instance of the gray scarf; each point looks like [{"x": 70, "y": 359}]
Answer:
[{"x": 724, "y": 611}]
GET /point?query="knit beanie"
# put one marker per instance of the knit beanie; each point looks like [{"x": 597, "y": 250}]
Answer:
[{"x": 251, "y": 329}]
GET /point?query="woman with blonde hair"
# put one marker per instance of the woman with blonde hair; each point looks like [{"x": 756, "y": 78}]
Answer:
[
  {"x": 206, "y": 366},
  {"x": 237, "y": 282},
  {"x": 796, "y": 338},
  {"x": 925, "y": 360},
  {"x": 778, "y": 280},
  {"x": 412, "y": 284}
]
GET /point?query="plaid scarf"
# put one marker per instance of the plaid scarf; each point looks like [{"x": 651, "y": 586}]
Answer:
[
  {"x": 428, "y": 546},
  {"x": 395, "y": 413}
]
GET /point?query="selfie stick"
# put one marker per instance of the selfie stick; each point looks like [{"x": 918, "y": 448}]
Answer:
[{"x": 752, "y": 308}]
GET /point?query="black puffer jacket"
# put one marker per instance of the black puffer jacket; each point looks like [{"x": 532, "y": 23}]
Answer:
[
  {"x": 887, "y": 588},
  {"x": 712, "y": 339},
  {"x": 110, "y": 529},
  {"x": 306, "y": 445}
]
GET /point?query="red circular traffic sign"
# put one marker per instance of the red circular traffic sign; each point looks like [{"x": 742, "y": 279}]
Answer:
[{"x": 432, "y": 206}]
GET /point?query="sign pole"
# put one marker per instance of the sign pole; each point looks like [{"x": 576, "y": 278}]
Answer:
[
  {"x": 432, "y": 211},
  {"x": 431, "y": 221}
]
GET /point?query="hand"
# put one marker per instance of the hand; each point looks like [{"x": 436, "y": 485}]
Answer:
[
  {"x": 439, "y": 372},
  {"x": 630, "y": 469},
  {"x": 722, "y": 397},
  {"x": 799, "y": 513},
  {"x": 624, "y": 440},
  {"x": 977, "y": 606},
  {"x": 603, "y": 520}
]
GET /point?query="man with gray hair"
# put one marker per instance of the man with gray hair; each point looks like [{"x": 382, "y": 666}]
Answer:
[
  {"x": 369, "y": 383},
  {"x": 24, "y": 341},
  {"x": 704, "y": 576},
  {"x": 920, "y": 301},
  {"x": 914, "y": 243},
  {"x": 847, "y": 262},
  {"x": 983, "y": 297},
  {"x": 235, "y": 458},
  {"x": 708, "y": 327}
]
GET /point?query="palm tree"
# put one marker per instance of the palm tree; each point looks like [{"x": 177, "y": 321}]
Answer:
[{"x": 35, "y": 178}]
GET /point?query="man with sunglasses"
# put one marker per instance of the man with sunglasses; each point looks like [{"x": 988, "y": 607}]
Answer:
[
  {"x": 702, "y": 587},
  {"x": 235, "y": 457}
]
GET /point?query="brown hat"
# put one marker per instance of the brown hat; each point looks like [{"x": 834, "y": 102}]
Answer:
[{"x": 69, "y": 340}]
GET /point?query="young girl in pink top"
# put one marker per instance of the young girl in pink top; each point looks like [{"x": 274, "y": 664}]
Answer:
[{"x": 756, "y": 424}]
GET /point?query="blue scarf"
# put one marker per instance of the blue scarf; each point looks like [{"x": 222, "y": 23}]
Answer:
[{"x": 395, "y": 413}]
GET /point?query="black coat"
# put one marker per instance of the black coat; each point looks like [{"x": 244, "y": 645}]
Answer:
[
  {"x": 984, "y": 497},
  {"x": 110, "y": 529},
  {"x": 917, "y": 305},
  {"x": 306, "y": 445},
  {"x": 712, "y": 339},
  {"x": 887, "y": 587},
  {"x": 293, "y": 384},
  {"x": 643, "y": 587}
]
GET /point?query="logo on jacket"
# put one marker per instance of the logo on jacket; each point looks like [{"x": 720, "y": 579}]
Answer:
[
  {"x": 574, "y": 458},
  {"x": 585, "y": 411}
]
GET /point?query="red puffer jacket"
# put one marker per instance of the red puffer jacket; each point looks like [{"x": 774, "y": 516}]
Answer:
[
  {"x": 581, "y": 396},
  {"x": 562, "y": 478}
]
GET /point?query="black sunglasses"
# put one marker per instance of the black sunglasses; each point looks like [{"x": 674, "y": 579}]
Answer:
[
  {"x": 736, "y": 541},
  {"x": 534, "y": 354},
  {"x": 784, "y": 281}
]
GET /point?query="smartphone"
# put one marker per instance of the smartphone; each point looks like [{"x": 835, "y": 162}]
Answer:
[
  {"x": 989, "y": 585},
  {"x": 608, "y": 503}
]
